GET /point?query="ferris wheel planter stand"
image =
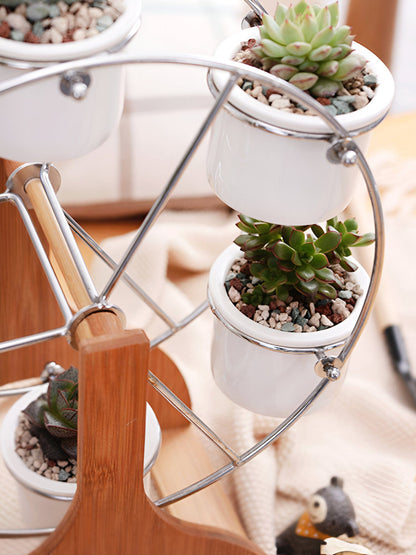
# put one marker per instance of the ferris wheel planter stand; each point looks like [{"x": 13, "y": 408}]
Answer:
[{"x": 113, "y": 363}]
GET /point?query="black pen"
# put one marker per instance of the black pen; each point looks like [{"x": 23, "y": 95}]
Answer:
[{"x": 399, "y": 357}]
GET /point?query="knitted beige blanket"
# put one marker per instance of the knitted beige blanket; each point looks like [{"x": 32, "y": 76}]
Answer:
[{"x": 367, "y": 435}]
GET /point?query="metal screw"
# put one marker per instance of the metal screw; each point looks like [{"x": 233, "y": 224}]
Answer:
[
  {"x": 332, "y": 373},
  {"x": 349, "y": 158},
  {"x": 75, "y": 84}
]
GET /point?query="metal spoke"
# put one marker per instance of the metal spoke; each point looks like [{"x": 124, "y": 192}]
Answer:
[
  {"x": 11, "y": 344},
  {"x": 248, "y": 455},
  {"x": 192, "y": 417},
  {"x": 24, "y": 532},
  {"x": 180, "y": 325},
  {"x": 161, "y": 201},
  {"x": 40, "y": 251},
  {"x": 99, "y": 251}
]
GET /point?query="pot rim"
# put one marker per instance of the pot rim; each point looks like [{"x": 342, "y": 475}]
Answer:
[
  {"x": 270, "y": 338},
  {"x": 40, "y": 484},
  {"x": 114, "y": 37},
  {"x": 361, "y": 119}
]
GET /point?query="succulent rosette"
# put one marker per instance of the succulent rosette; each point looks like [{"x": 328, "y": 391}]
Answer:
[
  {"x": 303, "y": 45},
  {"x": 287, "y": 258},
  {"x": 54, "y": 416}
]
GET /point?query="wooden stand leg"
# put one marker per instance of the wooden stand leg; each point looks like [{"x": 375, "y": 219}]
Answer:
[{"x": 111, "y": 512}]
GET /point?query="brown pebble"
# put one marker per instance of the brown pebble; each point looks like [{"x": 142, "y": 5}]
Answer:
[
  {"x": 251, "y": 43},
  {"x": 336, "y": 318},
  {"x": 245, "y": 269},
  {"x": 350, "y": 307},
  {"x": 4, "y": 30},
  {"x": 248, "y": 310},
  {"x": 51, "y": 463},
  {"x": 32, "y": 38},
  {"x": 237, "y": 284},
  {"x": 269, "y": 92},
  {"x": 323, "y": 309},
  {"x": 324, "y": 101},
  {"x": 273, "y": 304}
]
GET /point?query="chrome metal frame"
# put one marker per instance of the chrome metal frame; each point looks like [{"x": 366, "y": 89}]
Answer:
[{"x": 339, "y": 137}]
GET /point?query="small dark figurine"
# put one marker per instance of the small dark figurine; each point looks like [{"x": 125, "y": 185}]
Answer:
[{"x": 329, "y": 513}]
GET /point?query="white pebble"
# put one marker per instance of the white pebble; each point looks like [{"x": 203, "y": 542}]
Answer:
[
  {"x": 91, "y": 33},
  {"x": 63, "y": 7},
  {"x": 272, "y": 322},
  {"x": 312, "y": 309},
  {"x": 256, "y": 91},
  {"x": 339, "y": 307},
  {"x": 113, "y": 13},
  {"x": 274, "y": 97},
  {"x": 315, "y": 320},
  {"x": 79, "y": 34},
  {"x": 312, "y": 328},
  {"x": 281, "y": 103},
  {"x": 60, "y": 24},
  {"x": 117, "y": 4},
  {"x": 368, "y": 91},
  {"x": 360, "y": 101},
  {"x": 96, "y": 12},
  {"x": 18, "y": 22},
  {"x": 3, "y": 13},
  {"x": 43, "y": 467},
  {"x": 283, "y": 317},
  {"x": 234, "y": 295},
  {"x": 45, "y": 38},
  {"x": 357, "y": 289},
  {"x": 75, "y": 7},
  {"x": 62, "y": 464},
  {"x": 326, "y": 321},
  {"x": 36, "y": 464},
  {"x": 297, "y": 328},
  {"x": 21, "y": 9},
  {"x": 83, "y": 10},
  {"x": 81, "y": 21},
  {"x": 56, "y": 36}
]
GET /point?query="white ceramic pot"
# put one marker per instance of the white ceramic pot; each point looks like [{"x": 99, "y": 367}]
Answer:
[
  {"x": 40, "y": 123},
  {"x": 265, "y": 381},
  {"x": 277, "y": 178},
  {"x": 44, "y": 502}
]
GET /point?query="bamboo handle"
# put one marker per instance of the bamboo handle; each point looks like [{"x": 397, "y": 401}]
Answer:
[{"x": 68, "y": 273}]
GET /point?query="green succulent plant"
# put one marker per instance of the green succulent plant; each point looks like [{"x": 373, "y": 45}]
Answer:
[
  {"x": 303, "y": 45},
  {"x": 288, "y": 259},
  {"x": 54, "y": 416}
]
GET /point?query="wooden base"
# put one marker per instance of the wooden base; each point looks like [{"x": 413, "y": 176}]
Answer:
[{"x": 110, "y": 512}]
